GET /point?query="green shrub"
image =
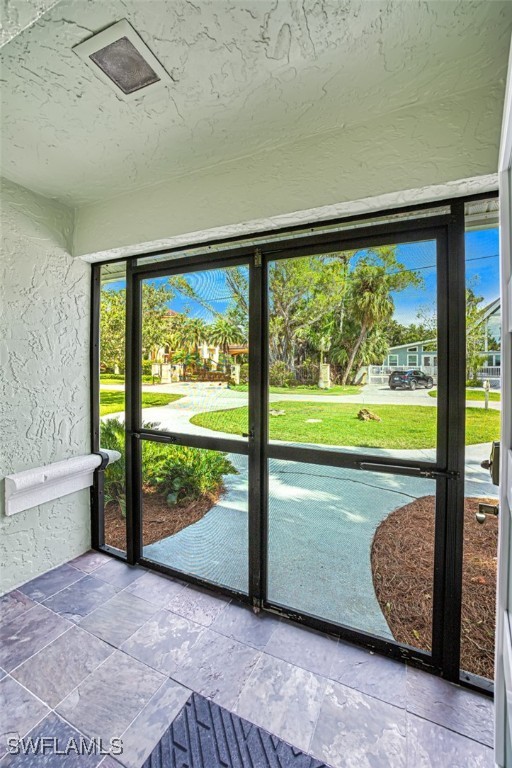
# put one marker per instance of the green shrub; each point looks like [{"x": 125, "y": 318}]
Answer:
[
  {"x": 181, "y": 473},
  {"x": 474, "y": 383},
  {"x": 280, "y": 375},
  {"x": 146, "y": 367},
  {"x": 244, "y": 373},
  {"x": 112, "y": 376},
  {"x": 112, "y": 438},
  {"x": 177, "y": 472}
]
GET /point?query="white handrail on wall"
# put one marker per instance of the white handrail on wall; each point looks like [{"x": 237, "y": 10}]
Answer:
[{"x": 32, "y": 487}]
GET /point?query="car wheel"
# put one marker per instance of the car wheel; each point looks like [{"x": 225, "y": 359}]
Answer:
[
  {"x": 430, "y": 383},
  {"x": 413, "y": 385},
  {"x": 391, "y": 386}
]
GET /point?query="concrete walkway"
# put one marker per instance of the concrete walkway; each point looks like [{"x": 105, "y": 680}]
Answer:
[
  {"x": 321, "y": 519},
  {"x": 321, "y": 525}
]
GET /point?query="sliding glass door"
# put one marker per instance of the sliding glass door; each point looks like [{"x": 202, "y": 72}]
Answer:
[
  {"x": 287, "y": 417},
  {"x": 356, "y": 436}
]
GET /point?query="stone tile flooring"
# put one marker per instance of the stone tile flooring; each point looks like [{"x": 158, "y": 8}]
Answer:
[{"x": 96, "y": 648}]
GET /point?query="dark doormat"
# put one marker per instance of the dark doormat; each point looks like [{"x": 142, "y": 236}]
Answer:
[{"x": 205, "y": 735}]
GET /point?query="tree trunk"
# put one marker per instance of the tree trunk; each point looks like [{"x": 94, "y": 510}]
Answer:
[{"x": 355, "y": 350}]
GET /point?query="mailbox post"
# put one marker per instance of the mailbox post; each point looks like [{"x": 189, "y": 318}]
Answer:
[{"x": 487, "y": 386}]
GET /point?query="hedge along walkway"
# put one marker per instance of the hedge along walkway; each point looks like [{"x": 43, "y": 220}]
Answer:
[
  {"x": 401, "y": 426},
  {"x": 337, "y": 389}
]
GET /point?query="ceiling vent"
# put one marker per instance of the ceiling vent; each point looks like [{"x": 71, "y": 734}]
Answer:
[{"x": 120, "y": 58}]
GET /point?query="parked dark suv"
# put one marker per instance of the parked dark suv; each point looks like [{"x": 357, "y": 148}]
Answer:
[{"x": 410, "y": 380}]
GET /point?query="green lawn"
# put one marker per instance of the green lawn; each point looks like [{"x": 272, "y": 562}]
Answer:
[
  {"x": 112, "y": 401},
  {"x": 408, "y": 426},
  {"x": 303, "y": 390},
  {"x": 475, "y": 394}
]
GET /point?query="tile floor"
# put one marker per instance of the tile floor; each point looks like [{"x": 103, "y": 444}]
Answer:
[{"x": 96, "y": 648}]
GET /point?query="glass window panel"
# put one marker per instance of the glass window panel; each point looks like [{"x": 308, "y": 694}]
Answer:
[
  {"x": 195, "y": 352},
  {"x": 112, "y": 397},
  {"x": 343, "y": 546},
  {"x": 483, "y": 412},
  {"x": 340, "y": 325},
  {"x": 195, "y": 512}
]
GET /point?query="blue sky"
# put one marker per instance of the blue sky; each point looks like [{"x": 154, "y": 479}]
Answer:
[{"x": 482, "y": 273}]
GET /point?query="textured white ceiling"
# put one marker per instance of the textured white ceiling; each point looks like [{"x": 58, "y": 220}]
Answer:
[
  {"x": 17, "y": 15},
  {"x": 248, "y": 77}
]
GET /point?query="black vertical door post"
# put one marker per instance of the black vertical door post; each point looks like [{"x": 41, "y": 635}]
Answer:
[
  {"x": 133, "y": 366},
  {"x": 256, "y": 466},
  {"x": 456, "y": 443},
  {"x": 97, "y": 494}
]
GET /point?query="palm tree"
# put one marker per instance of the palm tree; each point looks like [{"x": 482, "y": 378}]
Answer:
[
  {"x": 186, "y": 359},
  {"x": 197, "y": 332},
  {"x": 372, "y": 304},
  {"x": 223, "y": 333},
  {"x": 179, "y": 336}
]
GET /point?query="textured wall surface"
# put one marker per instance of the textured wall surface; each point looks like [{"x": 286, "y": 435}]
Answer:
[
  {"x": 44, "y": 378},
  {"x": 365, "y": 205}
]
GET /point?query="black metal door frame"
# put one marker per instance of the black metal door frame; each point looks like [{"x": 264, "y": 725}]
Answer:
[
  {"x": 449, "y": 469},
  {"x": 136, "y": 433},
  {"x": 446, "y": 470}
]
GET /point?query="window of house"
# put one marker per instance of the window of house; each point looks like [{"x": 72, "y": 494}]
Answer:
[
  {"x": 412, "y": 360},
  {"x": 392, "y": 360}
]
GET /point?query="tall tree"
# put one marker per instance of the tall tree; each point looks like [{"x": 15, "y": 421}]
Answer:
[
  {"x": 155, "y": 299},
  {"x": 112, "y": 327},
  {"x": 371, "y": 305},
  {"x": 305, "y": 296},
  {"x": 155, "y": 307},
  {"x": 224, "y": 332},
  {"x": 376, "y": 276},
  {"x": 198, "y": 332},
  {"x": 187, "y": 333},
  {"x": 475, "y": 334}
]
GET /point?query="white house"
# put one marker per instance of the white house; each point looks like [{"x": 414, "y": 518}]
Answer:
[{"x": 423, "y": 354}]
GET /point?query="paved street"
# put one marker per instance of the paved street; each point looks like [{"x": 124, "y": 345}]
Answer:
[{"x": 216, "y": 397}]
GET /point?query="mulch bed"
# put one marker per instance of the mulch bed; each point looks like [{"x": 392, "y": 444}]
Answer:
[
  {"x": 402, "y": 565},
  {"x": 158, "y": 520}
]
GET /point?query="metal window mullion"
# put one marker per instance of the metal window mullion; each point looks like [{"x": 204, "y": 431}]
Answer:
[
  {"x": 256, "y": 409},
  {"x": 132, "y": 415},
  {"x": 97, "y": 494}
]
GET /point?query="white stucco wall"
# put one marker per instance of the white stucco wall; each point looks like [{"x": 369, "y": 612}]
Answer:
[{"x": 44, "y": 378}]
